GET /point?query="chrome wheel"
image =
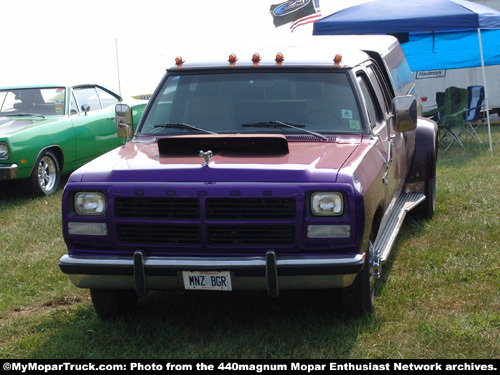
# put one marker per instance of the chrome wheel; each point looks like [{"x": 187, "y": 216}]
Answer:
[{"x": 47, "y": 173}]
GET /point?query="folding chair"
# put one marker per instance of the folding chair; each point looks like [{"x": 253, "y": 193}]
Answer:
[
  {"x": 473, "y": 117},
  {"x": 437, "y": 114},
  {"x": 455, "y": 103}
]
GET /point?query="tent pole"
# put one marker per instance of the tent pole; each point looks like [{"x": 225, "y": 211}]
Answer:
[{"x": 485, "y": 88}]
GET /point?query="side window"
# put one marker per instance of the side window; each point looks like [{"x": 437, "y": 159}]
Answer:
[
  {"x": 379, "y": 88},
  {"x": 87, "y": 96},
  {"x": 373, "y": 108},
  {"x": 73, "y": 107},
  {"x": 107, "y": 99},
  {"x": 8, "y": 101}
]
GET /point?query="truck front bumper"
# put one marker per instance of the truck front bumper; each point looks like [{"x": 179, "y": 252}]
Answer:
[{"x": 271, "y": 272}]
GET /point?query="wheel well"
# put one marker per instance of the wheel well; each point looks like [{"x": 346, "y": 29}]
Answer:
[
  {"x": 423, "y": 165},
  {"x": 58, "y": 153}
]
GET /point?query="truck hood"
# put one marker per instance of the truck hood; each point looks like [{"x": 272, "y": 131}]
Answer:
[
  {"x": 11, "y": 125},
  {"x": 281, "y": 160}
]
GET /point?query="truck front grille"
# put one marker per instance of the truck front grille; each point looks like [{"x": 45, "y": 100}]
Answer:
[
  {"x": 251, "y": 209},
  {"x": 213, "y": 221},
  {"x": 157, "y": 208},
  {"x": 251, "y": 235},
  {"x": 159, "y": 234}
]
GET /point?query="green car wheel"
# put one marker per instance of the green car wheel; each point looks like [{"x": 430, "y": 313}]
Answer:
[{"x": 46, "y": 175}]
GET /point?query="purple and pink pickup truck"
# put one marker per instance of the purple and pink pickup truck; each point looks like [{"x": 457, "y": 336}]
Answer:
[{"x": 277, "y": 169}]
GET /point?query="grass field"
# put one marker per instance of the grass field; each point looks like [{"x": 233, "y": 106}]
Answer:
[{"x": 439, "y": 296}]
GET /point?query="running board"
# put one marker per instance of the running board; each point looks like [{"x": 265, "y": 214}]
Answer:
[{"x": 390, "y": 228}]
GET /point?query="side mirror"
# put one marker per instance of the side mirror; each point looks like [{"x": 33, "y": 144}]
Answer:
[
  {"x": 404, "y": 109},
  {"x": 85, "y": 108},
  {"x": 124, "y": 126}
]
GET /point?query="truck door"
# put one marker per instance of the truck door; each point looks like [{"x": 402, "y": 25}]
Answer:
[
  {"x": 384, "y": 142},
  {"x": 399, "y": 140}
]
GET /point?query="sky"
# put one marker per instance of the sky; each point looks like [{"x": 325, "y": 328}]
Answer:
[{"x": 126, "y": 45}]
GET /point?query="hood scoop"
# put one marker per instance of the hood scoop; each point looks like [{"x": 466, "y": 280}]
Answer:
[{"x": 233, "y": 145}]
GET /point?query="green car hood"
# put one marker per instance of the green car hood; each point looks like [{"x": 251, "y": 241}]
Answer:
[{"x": 11, "y": 125}]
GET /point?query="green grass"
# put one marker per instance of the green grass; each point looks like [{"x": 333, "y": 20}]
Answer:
[{"x": 439, "y": 296}]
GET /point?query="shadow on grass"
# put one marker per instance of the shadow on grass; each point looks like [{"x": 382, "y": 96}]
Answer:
[
  {"x": 13, "y": 191},
  {"x": 413, "y": 226},
  {"x": 18, "y": 191},
  {"x": 457, "y": 156},
  {"x": 208, "y": 325}
]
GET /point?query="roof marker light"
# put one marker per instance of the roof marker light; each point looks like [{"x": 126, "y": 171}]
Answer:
[
  {"x": 337, "y": 59},
  {"x": 256, "y": 59},
  {"x": 232, "y": 59},
  {"x": 179, "y": 61},
  {"x": 279, "y": 58}
]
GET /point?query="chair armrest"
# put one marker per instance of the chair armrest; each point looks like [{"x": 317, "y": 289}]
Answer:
[
  {"x": 433, "y": 111},
  {"x": 456, "y": 115},
  {"x": 473, "y": 108}
]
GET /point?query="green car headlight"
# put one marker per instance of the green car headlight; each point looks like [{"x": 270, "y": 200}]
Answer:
[
  {"x": 90, "y": 203},
  {"x": 327, "y": 204},
  {"x": 4, "y": 151}
]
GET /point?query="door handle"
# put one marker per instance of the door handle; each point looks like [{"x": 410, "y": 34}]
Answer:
[{"x": 389, "y": 153}]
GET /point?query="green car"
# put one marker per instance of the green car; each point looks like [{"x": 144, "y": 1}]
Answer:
[{"x": 48, "y": 131}]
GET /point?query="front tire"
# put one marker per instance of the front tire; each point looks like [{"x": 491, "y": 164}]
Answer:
[
  {"x": 113, "y": 303},
  {"x": 359, "y": 298},
  {"x": 46, "y": 175},
  {"x": 427, "y": 208}
]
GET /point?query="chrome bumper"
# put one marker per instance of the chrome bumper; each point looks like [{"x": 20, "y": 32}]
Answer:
[
  {"x": 8, "y": 172},
  {"x": 270, "y": 272}
]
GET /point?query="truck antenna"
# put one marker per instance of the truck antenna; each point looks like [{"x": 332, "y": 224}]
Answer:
[{"x": 118, "y": 68}]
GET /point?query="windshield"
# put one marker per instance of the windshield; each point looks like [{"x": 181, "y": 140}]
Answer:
[
  {"x": 254, "y": 102},
  {"x": 32, "y": 101}
]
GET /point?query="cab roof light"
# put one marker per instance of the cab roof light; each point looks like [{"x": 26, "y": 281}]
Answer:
[
  {"x": 179, "y": 61},
  {"x": 256, "y": 59},
  {"x": 337, "y": 59},
  {"x": 232, "y": 59},
  {"x": 279, "y": 58}
]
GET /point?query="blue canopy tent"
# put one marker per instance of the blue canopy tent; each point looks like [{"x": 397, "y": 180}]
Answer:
[
  {"x": 445, "y": 50},
  {"x": 435, "y": 34}
]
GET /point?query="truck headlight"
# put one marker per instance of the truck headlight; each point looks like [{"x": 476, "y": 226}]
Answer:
[
  {"x": 4, "y": 151},
  {"x": 90, "y": 203},
  {"x": 327, "y": 204}
]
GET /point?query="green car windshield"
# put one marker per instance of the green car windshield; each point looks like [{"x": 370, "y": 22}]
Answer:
[
  {"x": 32, "y": 101},
  {"x": 249, "y": 102}
]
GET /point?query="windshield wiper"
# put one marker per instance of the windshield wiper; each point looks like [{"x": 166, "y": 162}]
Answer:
[
  {"x": 25, "y": 115},
  {"x": 285, "y": 124},
  {"x": 182, "y": 125}
]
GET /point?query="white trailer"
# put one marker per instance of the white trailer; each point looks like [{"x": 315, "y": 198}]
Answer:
[{"x": 429, "y": 82}]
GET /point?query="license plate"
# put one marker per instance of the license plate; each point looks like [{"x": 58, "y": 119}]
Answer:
[{"x": 207, "y": 280}]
